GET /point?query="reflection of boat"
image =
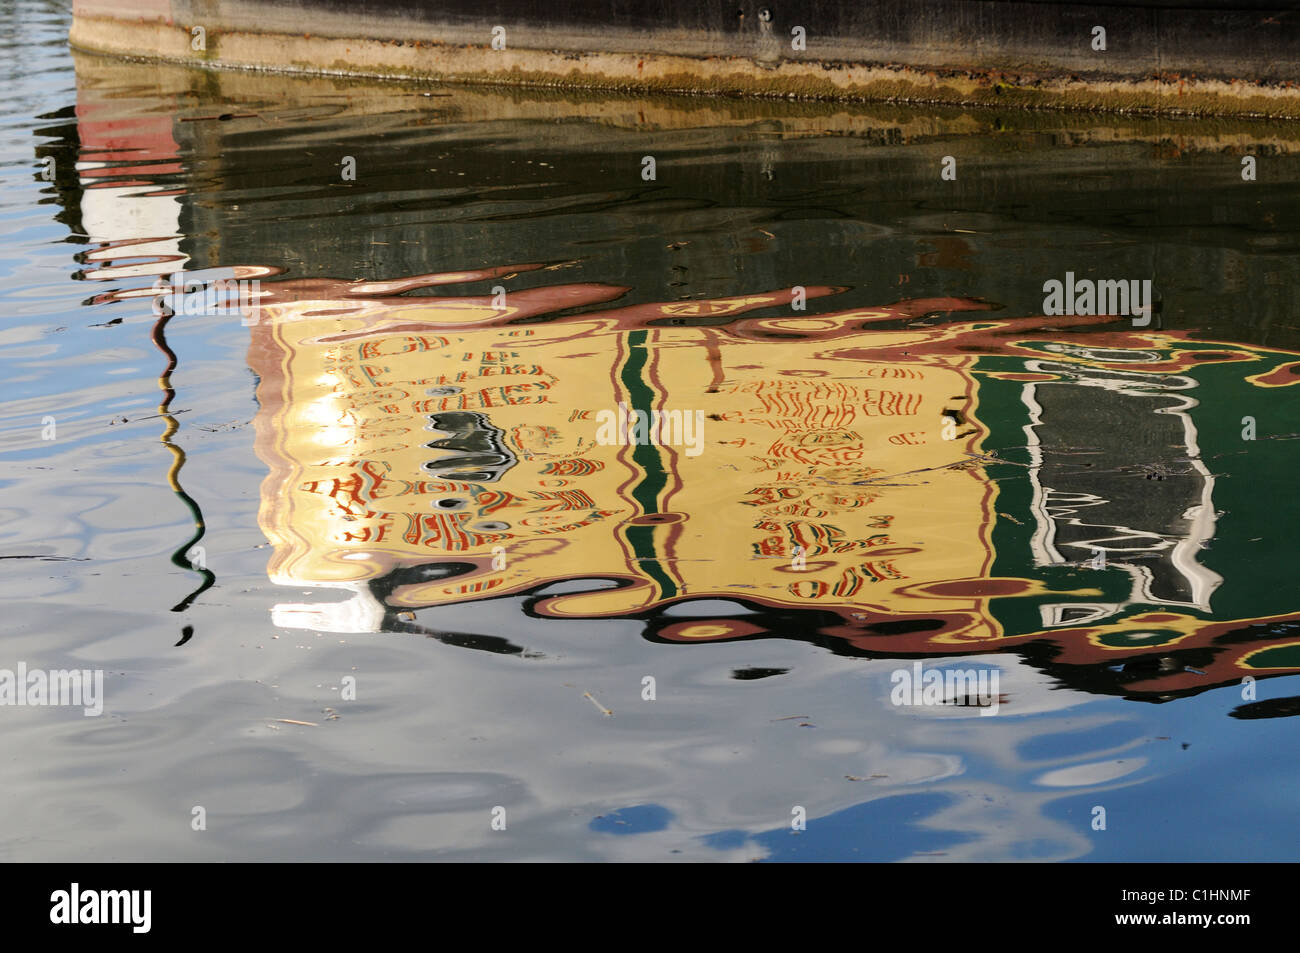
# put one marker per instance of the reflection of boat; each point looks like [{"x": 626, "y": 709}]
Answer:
[
  {"x": 1153, "y": 535},
  {"x": 136, "y": 229},
  {"x": 997, "y": 553},
  {"x": 426, "y": 451},
  {"x": 774, "y": 484}
]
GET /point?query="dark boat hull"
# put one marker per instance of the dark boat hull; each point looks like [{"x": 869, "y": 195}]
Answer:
[{"x": 1167, "y": 56}]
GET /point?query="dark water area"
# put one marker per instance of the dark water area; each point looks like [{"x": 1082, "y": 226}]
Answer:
[{"x": 640, "y": 508}]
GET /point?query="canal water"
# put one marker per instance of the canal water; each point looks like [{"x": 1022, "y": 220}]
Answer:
[{"x": 480, "y": 473}]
